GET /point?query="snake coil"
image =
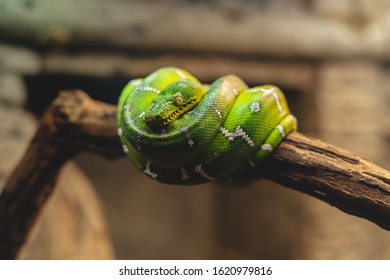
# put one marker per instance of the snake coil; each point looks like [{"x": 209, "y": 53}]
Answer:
[{"x": 178, "y": 131}]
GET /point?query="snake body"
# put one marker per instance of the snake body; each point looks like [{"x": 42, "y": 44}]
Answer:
[{"x": 179, "y": 131}]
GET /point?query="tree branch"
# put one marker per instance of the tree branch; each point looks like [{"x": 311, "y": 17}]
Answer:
[
  {"x": 74, "y": 122},
  {"x": 336, "y": 176}
]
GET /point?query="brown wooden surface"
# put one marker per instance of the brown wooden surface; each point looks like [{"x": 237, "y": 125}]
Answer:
[{"x": 74, "y": 122}]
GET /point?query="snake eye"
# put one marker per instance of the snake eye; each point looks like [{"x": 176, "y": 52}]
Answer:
[{"x": 178, "y": 100}]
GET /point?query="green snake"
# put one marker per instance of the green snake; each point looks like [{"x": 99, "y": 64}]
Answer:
[{"x": 179, "y": 131}]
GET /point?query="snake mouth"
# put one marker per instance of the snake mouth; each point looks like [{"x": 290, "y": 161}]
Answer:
[
  {"x": 173, "y": 116},
  {"x": 178, "y": 113},
  {"x": 162, "y": 119},
  {"x": 159, "y": 121}
]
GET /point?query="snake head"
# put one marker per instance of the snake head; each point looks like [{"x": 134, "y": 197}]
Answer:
[{"x": 173, "y": 102}]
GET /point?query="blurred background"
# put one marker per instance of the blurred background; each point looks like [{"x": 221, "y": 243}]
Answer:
[{"x": 331, "y": 58}]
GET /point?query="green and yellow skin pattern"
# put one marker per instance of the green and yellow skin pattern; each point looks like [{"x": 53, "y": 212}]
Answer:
[{"x": 179, "y": 131}]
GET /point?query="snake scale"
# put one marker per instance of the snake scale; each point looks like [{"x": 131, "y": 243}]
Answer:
[{"x": 179, "y": 131}]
